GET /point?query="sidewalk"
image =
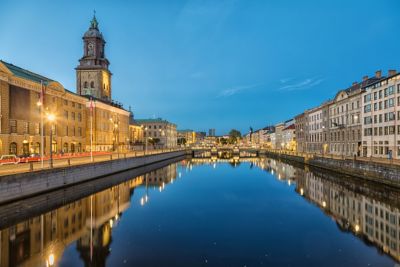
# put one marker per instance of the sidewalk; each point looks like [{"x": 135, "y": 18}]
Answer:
[{"x": 74, "y": 160}]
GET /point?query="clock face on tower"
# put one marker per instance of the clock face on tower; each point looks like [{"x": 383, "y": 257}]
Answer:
[{"x": 90, "y": 49}]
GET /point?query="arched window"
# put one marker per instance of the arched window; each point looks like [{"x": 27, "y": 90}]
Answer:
[
  {"x": 79, "y": 147},
  {"x": 13, "y": 148},
  {"x": 85, "y": 84},
  {"x": 91, "y": 84},
  {"x": 65, "y": 148},
  {"x": 72, "y": 148}
]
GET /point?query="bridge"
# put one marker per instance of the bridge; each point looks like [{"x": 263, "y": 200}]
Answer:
[{"x": 225, "y": 152}]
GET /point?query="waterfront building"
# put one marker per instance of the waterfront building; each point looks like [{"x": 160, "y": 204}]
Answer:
[
  {"x": 301, "y": 132},
  {"x": 381, "y": 117},
  {"x": 73, "y": 114},
  {"x": 93, "y": 80},
  {"x": 163, "y": 132},
  {"x": 278, "y": 140},
  {"x": 345, "y": 119},
  {"x": 315, "y": 127},
  {"x": 136, "y": 138},
  {"x": 200, "y": 136},
  {"x": 188, "y": 135},
  {"x": 20, "y": 127},
  {"x": 289, "y": 137},
  {"x": 265, "y": 136}
]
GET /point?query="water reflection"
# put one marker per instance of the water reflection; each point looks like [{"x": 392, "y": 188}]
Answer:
[
  {"x": 42, "y": 240},
  {"x": 367, "y": 211}
]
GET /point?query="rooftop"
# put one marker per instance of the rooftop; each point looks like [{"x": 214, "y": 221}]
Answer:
[
  {"x": 157, "y": 120},
  {"x": 26, "y": 74}
]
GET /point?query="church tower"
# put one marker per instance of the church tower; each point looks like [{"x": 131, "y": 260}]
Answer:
[{"x": 92, "y": 75}]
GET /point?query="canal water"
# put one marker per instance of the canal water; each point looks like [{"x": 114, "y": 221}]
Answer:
[{"x": 201, "y": 212}]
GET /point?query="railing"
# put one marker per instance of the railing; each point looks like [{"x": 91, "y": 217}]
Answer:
[{"x": 71, "y": 159}]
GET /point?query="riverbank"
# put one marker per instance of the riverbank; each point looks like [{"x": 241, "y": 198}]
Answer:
[
  {"x": 383, "y": 173},
  {"x": 22, "y": 185}
]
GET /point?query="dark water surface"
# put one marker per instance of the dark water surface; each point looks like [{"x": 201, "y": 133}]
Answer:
[{"x": 259, "y": 212}]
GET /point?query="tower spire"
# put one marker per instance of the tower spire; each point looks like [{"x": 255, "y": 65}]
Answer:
[{"x": 93, "y": 23}]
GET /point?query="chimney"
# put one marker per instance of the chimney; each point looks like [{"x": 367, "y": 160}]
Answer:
[
  {"x": 365, "y": 78},
  {"x": 378, "y": 74},
  {"x": 391, "y": 72}
]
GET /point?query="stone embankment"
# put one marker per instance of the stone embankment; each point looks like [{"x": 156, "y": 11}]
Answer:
[
  {"x": 377, "y": 172},
  {"x": 22, "y": 185}
]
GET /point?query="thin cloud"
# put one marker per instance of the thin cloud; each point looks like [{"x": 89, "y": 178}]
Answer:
[
  {"x": 235, "y": 90},
  {"x": 301, "y": 85}
]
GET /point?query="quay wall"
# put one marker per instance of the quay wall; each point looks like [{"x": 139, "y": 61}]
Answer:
[
  {"x": 377, "y": 172},
  {"x": 23, "y": 185}
]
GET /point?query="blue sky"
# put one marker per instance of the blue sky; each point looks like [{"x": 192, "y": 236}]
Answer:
[{"x": 210, "y": 64}]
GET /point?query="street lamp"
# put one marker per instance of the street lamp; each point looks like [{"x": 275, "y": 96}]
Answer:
[{"x": 51, "y": 118}]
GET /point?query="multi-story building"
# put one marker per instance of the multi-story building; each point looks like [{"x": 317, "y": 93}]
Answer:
[
  {"x": 93, "y": 80},
  {"x": 161, "y": 130},
  {"x": 211, "y": 132},
  {"x": 188, "y": 135},
  {"x": 76, "y": 118},
  {"x": 21, "y": 116},
  {"x": 380, "y": 127},
  {"x": 301, "y": 132},
  {"x": 345, "y": 119},
  {"x": 289, "y": 138},
  {"x": 314, "y": 137},
  {"x": 278, "y": 142}
]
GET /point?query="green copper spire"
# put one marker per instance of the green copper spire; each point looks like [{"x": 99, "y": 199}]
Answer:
[{"x": 94, "y": 24}]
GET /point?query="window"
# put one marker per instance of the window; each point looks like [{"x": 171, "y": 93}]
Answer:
[
  {"x": 391, "y": 102},
  {"x": 79, "y": 117},
  {"x": 66, "y": 114},
  {"x": 367, "y": 108},
  {"x": 85, "y": 85},
  {"x": 73, "y": 115},
  {"x": 367, "y": 98},
  {"x": 13, "y": 148},
  {"x": 65, "y": 102},
  {"x": 13, "y": 126},
  {"x": 91, "y": 84}
]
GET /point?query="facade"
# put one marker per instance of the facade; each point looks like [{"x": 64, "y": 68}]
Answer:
[
  {"x": 161, "y": 130},
  {"x": 76, "y": 116},
  {"x": 135, "y": 132},
  {"x": 301, "y": 132},
  {"x": 188, "y": 135},
  {"x": 278, "y": 142},
  {"x": 20, "y": 127},
  {"x": 381, "y": 114},
  {"x": 345, "y": 115},
  {"x": 93, "y": 77},
  {"x": 289, "y": 137},
  {"x": 109, "y": 120},
  {"x": 315, "y": 127},
  {"x": 211, "y": 132}
]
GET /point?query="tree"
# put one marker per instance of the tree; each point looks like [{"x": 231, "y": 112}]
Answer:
[{"x": 234, "y": 136}]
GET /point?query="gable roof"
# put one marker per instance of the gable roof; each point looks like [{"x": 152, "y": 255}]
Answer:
[{"x": 26, "y": 74}]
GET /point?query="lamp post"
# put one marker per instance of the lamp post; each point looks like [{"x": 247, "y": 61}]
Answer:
[
  {"x": 116, "y": 133},
  {"x": 51, "y": 118}
]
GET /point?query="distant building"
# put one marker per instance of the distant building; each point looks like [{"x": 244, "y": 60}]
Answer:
[
  {"x": 188, "y": 135},
  {"x": 200, "y": 136},
  {"x": 211, "y": 132},
  {"x": 161, "y": 130}
]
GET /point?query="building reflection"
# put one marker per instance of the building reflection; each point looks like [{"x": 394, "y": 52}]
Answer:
[
  {"x": 375, "y": 220},
  {"x": 41, "y": 240}
]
